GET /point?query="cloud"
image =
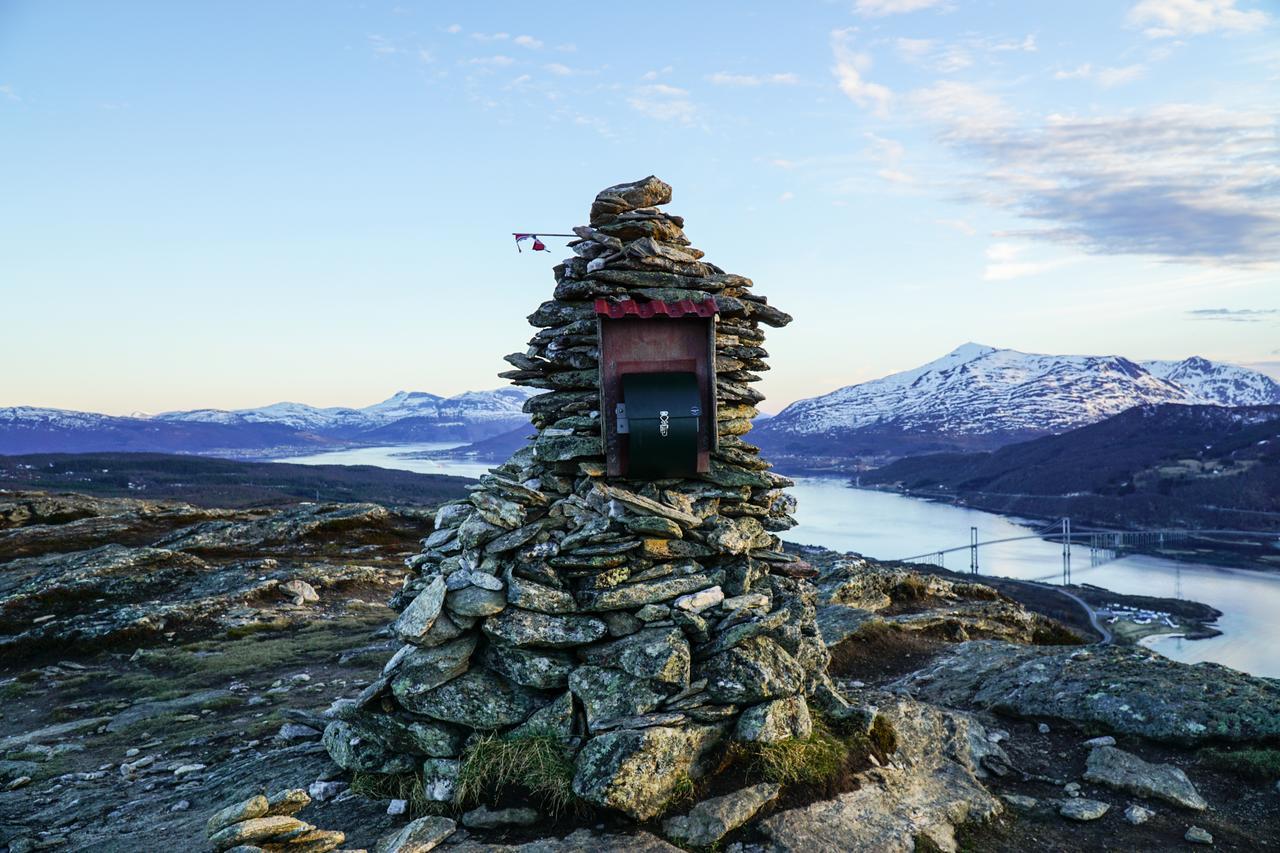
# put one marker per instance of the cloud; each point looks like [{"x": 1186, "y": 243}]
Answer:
[
  {"x": 880, "y": 8},
  {"x": 8, "y": 93},
  {"x": 498, "y": 60},
  {"x": 1106, "y": 77},
  {"x": 491, "y": 36},
  {"x": 1169, "y": 18},
  {"x": 1178, "y": 182},
  {"x": 529, "y": 42},
  {"x": 1004, "y": 264},
  {"x": 960, "y": 225},
  {"x": 724, "y": 78},
  {"x": 558, "y": 69},
  {"x": 382, "y": 45},
  {"x": 888, "y": 154},
  {"x": 453, "y": 29},
  {"x": 663, "y": 102},
  {"x": 786, "y": 196},
  {"x": 848, "y": 72},
  {"x": 424, "y": 55},
  {"x": 964, "y": 52},
  {"x": 1235, "y": 315}
]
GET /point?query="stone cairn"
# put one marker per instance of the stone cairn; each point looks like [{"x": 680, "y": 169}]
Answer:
[{"x": 647, "y": 624}]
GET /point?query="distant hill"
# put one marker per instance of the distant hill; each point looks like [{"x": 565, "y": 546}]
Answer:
[
  {"x": 1195, "y": 465},
  {"x": 979, "y": 398},
  {"x": 407, "y": 416},
  {"x": 495, "y": 449},
  {"x": 220, "y": 482}
]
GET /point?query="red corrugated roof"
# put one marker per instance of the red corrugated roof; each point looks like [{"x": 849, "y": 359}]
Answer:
[{"x": 652, "y": 308}]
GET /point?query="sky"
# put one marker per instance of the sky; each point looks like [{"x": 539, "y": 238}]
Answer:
[{"x": 232, "y": 204}]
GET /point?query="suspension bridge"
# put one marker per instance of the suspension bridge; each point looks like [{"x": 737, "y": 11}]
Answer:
[{"x": 1104, "y": 544}]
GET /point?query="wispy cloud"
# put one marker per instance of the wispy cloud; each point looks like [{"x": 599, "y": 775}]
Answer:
[
  {"x": 1179, "y": 182},
  {"x": 528, "y": 41},
  {"x": 382, "y": 45},
  {"x": 7, "y": 91},
  {"x": 498, "y": 60},
  {"x": 1235, "y": 315},
  {"x": 1170, "y": 18},
  {"x": 848, "y": 70},
  {"x": 888, "y": 154},
  {"x": 453, "y": 29},
  {"x": 491, "y": 36},
  {"x": 880, "y": 8},
  {"x": 724, "y": 78},
  {"x": 1104, "y": 76},
  {"x": 663, "y": 102},
  {"x": 558, "y": 69},
  {"x": 960, "y": 225},
  {"x": 1004, "y": 263}
]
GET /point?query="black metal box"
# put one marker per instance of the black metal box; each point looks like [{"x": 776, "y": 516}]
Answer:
[{"x": 663, "y": 413}]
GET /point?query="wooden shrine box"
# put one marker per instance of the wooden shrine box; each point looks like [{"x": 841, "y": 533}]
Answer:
[{"x": 668, "y": 428}]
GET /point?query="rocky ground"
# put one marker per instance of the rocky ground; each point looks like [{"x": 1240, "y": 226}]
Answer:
[{"x": 162, "y": 661}]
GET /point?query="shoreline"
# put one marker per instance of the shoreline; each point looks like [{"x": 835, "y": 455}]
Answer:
[{"x": 1228, "y": 558}]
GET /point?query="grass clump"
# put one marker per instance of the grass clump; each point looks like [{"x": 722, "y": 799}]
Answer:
[
  {"x": 814, "y": 760},
  {"x": 536, "y": 763},
  {"x": 398, "y": 786},
  {"x": 1258, "y": 765}
]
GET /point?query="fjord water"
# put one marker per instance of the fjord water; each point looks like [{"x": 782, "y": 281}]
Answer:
[{"x": 887, "y": 526}]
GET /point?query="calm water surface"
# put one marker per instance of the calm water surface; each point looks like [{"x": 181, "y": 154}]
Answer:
[{"x": 889, "y": 526}]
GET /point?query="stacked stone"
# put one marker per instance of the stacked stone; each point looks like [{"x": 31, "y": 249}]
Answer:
[
  {"x": 645, "y": 623},
  {"x": 264, "y": 824}
]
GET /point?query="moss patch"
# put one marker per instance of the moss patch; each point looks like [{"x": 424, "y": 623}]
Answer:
[{"x": 1256, "y": 765}]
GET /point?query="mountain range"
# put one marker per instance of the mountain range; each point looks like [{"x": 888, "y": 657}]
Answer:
[
  {"x": 978, "y": 398},
  {"x": 407, "y": 416},
  {"x": 975, "y": 398},
  {"x": 1161, "y": 466}
]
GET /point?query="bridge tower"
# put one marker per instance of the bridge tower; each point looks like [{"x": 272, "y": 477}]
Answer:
[{"x": 973, "y": 550}]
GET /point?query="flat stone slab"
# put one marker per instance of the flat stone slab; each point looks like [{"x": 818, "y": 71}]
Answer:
[
  {"x": 1126, "y": 689},
  {"x": 1125, "y": 771},
  {"x": 1083, "y": 809}
]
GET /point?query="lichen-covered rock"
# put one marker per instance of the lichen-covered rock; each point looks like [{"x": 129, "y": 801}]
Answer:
[
  {"x": 478, "y": 699},
  {"x": 930, "y": 788},
  {"x": 258, "y": 830},
  {"x": 416, "y": 620},
  {"x": 354, "y": 748},
  {"x": 419, "y": 836},
  {"x": 1083, "y": 809},
  {"x": 1125, "y": 689},
  {"x": 540, "y": 668},
  {"x": 636, "y": 771},
  {"x": 440, "y": 778},
  {"x": 255, "y": 806},
  {"x": 752, "y": 671},
  {"x": 424, "y": 669},
  {"x": 713, "y": 819},
  {"x": 1125, "y": 771},
  {"x": 660, "y": 654},
  {"x": 609, "y": 694},
  {"x": 771, "y": 722},
  {"x": 542, "y": 630}
]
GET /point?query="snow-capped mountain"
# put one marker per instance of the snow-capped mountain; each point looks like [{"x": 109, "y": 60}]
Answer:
[
  {"x": 1215, "y": 382},
  {"x": 470, "y": 407},
  {"x": 979, "y": 397},
  {"x": 405, "y": 416}
]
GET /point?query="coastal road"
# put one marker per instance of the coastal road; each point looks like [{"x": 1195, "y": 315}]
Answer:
[{"x": 1093, "y": 617}]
